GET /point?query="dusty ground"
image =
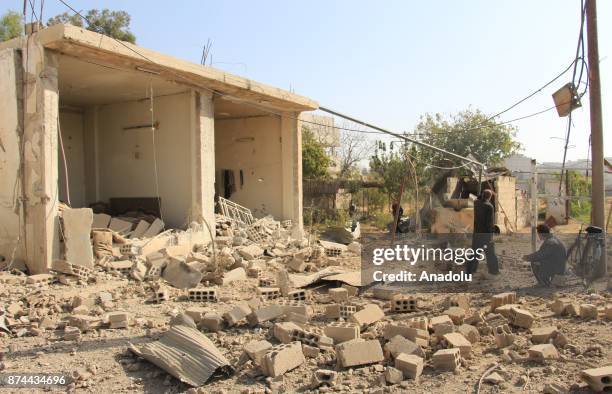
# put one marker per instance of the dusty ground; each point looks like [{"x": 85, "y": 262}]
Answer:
[{"x": 117, "y": 370}]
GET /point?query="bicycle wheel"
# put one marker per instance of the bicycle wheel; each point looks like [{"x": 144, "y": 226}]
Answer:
[{"x": 574, "y": 257}]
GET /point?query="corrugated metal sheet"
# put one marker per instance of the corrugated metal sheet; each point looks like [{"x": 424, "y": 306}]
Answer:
[{"x": 186, "y": 354}]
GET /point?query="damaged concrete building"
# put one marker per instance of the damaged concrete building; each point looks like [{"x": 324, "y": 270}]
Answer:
[{"x": 135, "y": 127}]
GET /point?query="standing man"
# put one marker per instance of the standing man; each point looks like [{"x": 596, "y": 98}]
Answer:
[
  {"x": 550, "y": 259},
  {"x": 482, "y": 238}
]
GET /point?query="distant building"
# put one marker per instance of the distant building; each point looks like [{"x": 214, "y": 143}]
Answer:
[{"x": 327, "y": 134}]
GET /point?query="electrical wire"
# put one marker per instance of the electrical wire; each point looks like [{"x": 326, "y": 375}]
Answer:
[
  {"x": 155, "y": 171},
  {"x": 579, "y": 55}
]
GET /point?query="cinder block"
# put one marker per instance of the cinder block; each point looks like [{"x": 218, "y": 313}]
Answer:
[
  {"x": 342, "y": 332},
  {"x": 196, "y": 313},
  {"x": 506, "y": 310},
  {"x": 265, "y": 313},
  {"x": 39, "y": 279},
  {"x": 402, "y": 303},
  {"x": 410, "y": 365},
  {"x": 324, "y": 377},
  {"x": 371, "y": 313},
  {"x": 266, "y": 282},
  {"x": 470, "y": 332},
  {"x": 236, "y": 314},
  {"x": 459, "y": 300},
  {"x": 338, "y": 294},
  {"x": 256, "y": 350},
  {"x": 282, "y": 331},
  {"x": 503, "y": 336},
  {"x": 347, "y": 311},
  {"x": 298, "y": 295},
  {"x": 269, "y": 293},
  {"x": 543, "y": 352},
  {"x": 442, "y": 329},
  {"x": 359, "y": 352},
  {"x": 310, "y": 337},
  {"x": 501, "y": 299},
  {"x": 447, "y": 359},
  {"x": 456, "y": 314},
  {"x": 521, "y": 318},
  {"x": 543, "y": 334},
  {"x": 118, "y": 319},
  {"x": 212, "y": 321},
  {"x": 421, "y": 322},
  {"x": 123, "y": 267},
  {"x": 442, "y": 319},
  {"x": 598, "y": 379},
  {"x": 588, "y": 311},
  {"x": 282, "y": 358},
  {"x": 202, "y": 294},
  {"x": 456, "y": 340},
  {"x": 398, "y": 344},
  {"x": 161, "y": 295},
  {"x": 608, "y": 312},
  {"x": 420, "y": 337}
]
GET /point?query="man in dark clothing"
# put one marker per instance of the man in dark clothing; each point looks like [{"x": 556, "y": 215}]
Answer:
[
  {"x": 482, "y": 238},
  {"x": 394, "y": 209},
  {"x": 550, "y": 259}
]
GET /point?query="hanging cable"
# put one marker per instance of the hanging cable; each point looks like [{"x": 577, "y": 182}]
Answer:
[{"x": 152, "y": 110}]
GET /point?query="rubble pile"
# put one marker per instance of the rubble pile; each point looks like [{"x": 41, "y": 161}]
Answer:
[{"x": 266, "y": 311}]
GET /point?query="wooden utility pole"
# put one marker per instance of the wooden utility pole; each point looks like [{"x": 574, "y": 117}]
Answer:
[{"x": 597, "y": 150}]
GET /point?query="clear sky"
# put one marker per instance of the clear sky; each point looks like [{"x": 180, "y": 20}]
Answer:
[{"x": 389, "y": 62}]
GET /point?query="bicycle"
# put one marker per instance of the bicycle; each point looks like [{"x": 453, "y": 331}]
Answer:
[{"x": 585, "y": 254}]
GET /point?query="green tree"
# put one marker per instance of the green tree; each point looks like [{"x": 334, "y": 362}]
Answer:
[
  {"x": 110, "y": 23},
  {"x": 10, "y": 25},
  {"x": 314, "y": 159},
  {"x": 397, "y": 164},
  {"x": 469, "y": 132},
  {"x": 579, "y": 186}
]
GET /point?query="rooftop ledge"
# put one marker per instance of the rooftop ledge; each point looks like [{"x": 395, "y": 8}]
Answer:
[{"x": 87, "y": 45}]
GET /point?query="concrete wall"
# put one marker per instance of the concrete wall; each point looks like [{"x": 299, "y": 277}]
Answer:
[
  {"x": 10, "y": 125},
  {"x": 505, "y": 197},
  {"x": 71, "y": 124},
  {"x": 126, "y": 158},
  {"x": 252, "y": 145}
]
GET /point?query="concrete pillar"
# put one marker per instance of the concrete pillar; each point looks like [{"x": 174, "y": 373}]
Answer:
[
  {"x": 203, "y": 158},
  {"x": 40, "y": 157},
  {"x": 291, "y": 151},
  {"x": 11, "y": 126}
]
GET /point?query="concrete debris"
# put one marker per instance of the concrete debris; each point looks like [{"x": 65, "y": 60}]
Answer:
[
  {"x": 181, "y": 275},
  {"x": 282, "y": 358},
  {"x": 285, "y": 310},
  {"x": 186, "y": 354},
  {"x": 76, "y": 224},
  {"x": 359, "y": 352}
]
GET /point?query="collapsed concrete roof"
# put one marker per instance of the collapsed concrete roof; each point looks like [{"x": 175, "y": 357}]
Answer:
[{"x": 84, "y": 44}]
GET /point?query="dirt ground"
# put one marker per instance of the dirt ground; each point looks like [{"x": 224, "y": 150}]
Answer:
[{"x": 115, "y": 369}]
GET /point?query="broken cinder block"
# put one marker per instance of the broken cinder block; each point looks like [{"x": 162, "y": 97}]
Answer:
[
  {"x": 371, "y": 313},
  {"x": 282, "y": 358},
  {"x": 410, "y": 365},
  {"x": 446, "y": 359},
  {"x": 456, "y": 340},
  {"x": 543, "y": 352},
  {"x": 598, "y": 379},
  {"x": 342, "y": 332}
]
